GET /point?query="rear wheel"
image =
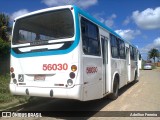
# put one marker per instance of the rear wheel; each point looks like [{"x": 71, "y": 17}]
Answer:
[
  {"x": 114, "y": 95},
  {"x": 135, "y": 76}
]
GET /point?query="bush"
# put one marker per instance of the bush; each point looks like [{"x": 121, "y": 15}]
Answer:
[
  {"x": 4, "y": 57},
  {"x": 4, "y": 49},
  {"x": 5, "y": 95}
]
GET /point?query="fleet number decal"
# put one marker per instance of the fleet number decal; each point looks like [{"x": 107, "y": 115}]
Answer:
[
  {"x": 91, "y": 70},
  {"x": 55, "y": 67}
]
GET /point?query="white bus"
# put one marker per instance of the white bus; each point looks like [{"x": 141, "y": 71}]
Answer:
[{"x": 63, "y": 52}]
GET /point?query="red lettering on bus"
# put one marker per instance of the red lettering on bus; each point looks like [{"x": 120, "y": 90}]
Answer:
[
  {"x": 55, "y": 67},
  {"x": 91, "y": 70}
]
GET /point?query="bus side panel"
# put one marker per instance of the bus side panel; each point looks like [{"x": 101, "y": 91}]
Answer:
[
  {"x": 119, "y": 66},
  {"x": 123, "y": 75},
  {"x": 115, "y": 68},
  {"x": 92, "y": 78}
]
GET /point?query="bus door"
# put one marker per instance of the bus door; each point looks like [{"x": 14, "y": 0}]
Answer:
[
  {"x": 104, "y": 42},
  {"x": 128, "y": 64}
]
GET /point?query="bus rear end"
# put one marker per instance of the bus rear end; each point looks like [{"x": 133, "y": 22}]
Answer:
[{"x": 45, "y": 54}]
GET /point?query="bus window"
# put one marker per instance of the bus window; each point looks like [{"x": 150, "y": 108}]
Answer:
[
  {"x": 114, "y": 47},
  {"x": 122, "y": 49},
  {"x": 51, "y": 25},
  {"x": 133, "y": 53},
  {"x": 90, "y": 38}
]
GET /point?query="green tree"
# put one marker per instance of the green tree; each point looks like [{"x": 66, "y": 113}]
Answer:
[
  {"x": 4, "y": 27},
  {"x": 153, "y": 53},
  {"x": 4, "y": 35},
  {"x": 4, "y": 43},
  {"x": 4, "y": 49}
]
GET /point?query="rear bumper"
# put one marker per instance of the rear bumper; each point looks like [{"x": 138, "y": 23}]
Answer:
[
  {"x": 68, "y": 93},
  {"x": 147, "y": 68}
]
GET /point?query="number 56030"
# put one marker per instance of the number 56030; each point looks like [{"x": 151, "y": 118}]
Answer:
[{"x": 54, "y": 67}]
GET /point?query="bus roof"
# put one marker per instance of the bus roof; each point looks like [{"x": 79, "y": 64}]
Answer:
[{"x": 44, "y": 10}]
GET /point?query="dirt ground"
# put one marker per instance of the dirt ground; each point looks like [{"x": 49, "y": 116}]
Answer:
[{"x": 143, "y": 95}]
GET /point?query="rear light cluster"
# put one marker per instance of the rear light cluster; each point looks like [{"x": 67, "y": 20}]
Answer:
[
  {"x": 13, "y": 75},
  {"x": 72, "y": 75}
]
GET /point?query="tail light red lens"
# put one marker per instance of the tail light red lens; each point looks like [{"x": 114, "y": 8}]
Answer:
[
  {"x": 11, "y": 69},
  {"x": 13, "y": 75},
  {"x": 72, "y": 75}
]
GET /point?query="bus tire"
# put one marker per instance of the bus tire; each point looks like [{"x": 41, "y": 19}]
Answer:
[
  {"x": 114, "y": 95},
  {"x": 135, "y": 76}
]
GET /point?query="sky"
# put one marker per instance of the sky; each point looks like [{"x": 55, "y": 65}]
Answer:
[{"x": 137, "y": 21}]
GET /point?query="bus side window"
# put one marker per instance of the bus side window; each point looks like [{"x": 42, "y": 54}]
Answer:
[
  {"x": 114, "y": 47},
  {"x": 133, "y": 53},
  {"x": 122, "y": 49},
  {"x": 84, "y": 40},
  {"x": 90, "y": 38}
]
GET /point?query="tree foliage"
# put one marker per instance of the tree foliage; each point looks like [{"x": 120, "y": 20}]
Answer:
[
  {"x": 4, "y": 48},
  {"x": 4, "y": 35},
  {"x": 4, "y": 27},
  {"x": 153, "y": 53},
  {"x": 4, "y": 43}
]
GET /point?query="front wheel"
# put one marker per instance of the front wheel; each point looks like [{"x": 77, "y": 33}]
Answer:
[{"x": 114, "y": 95}]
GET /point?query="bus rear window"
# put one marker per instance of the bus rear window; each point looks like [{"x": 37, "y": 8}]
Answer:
[{"x": 44, "y": 26}]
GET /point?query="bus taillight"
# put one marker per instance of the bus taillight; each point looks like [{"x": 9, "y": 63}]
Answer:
[
  {"x": 13, "y": 75},
  {"x": 73, "y": 68},
  {"x": 72, "y": 75},
  {"x": 11, "y": 69}
]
